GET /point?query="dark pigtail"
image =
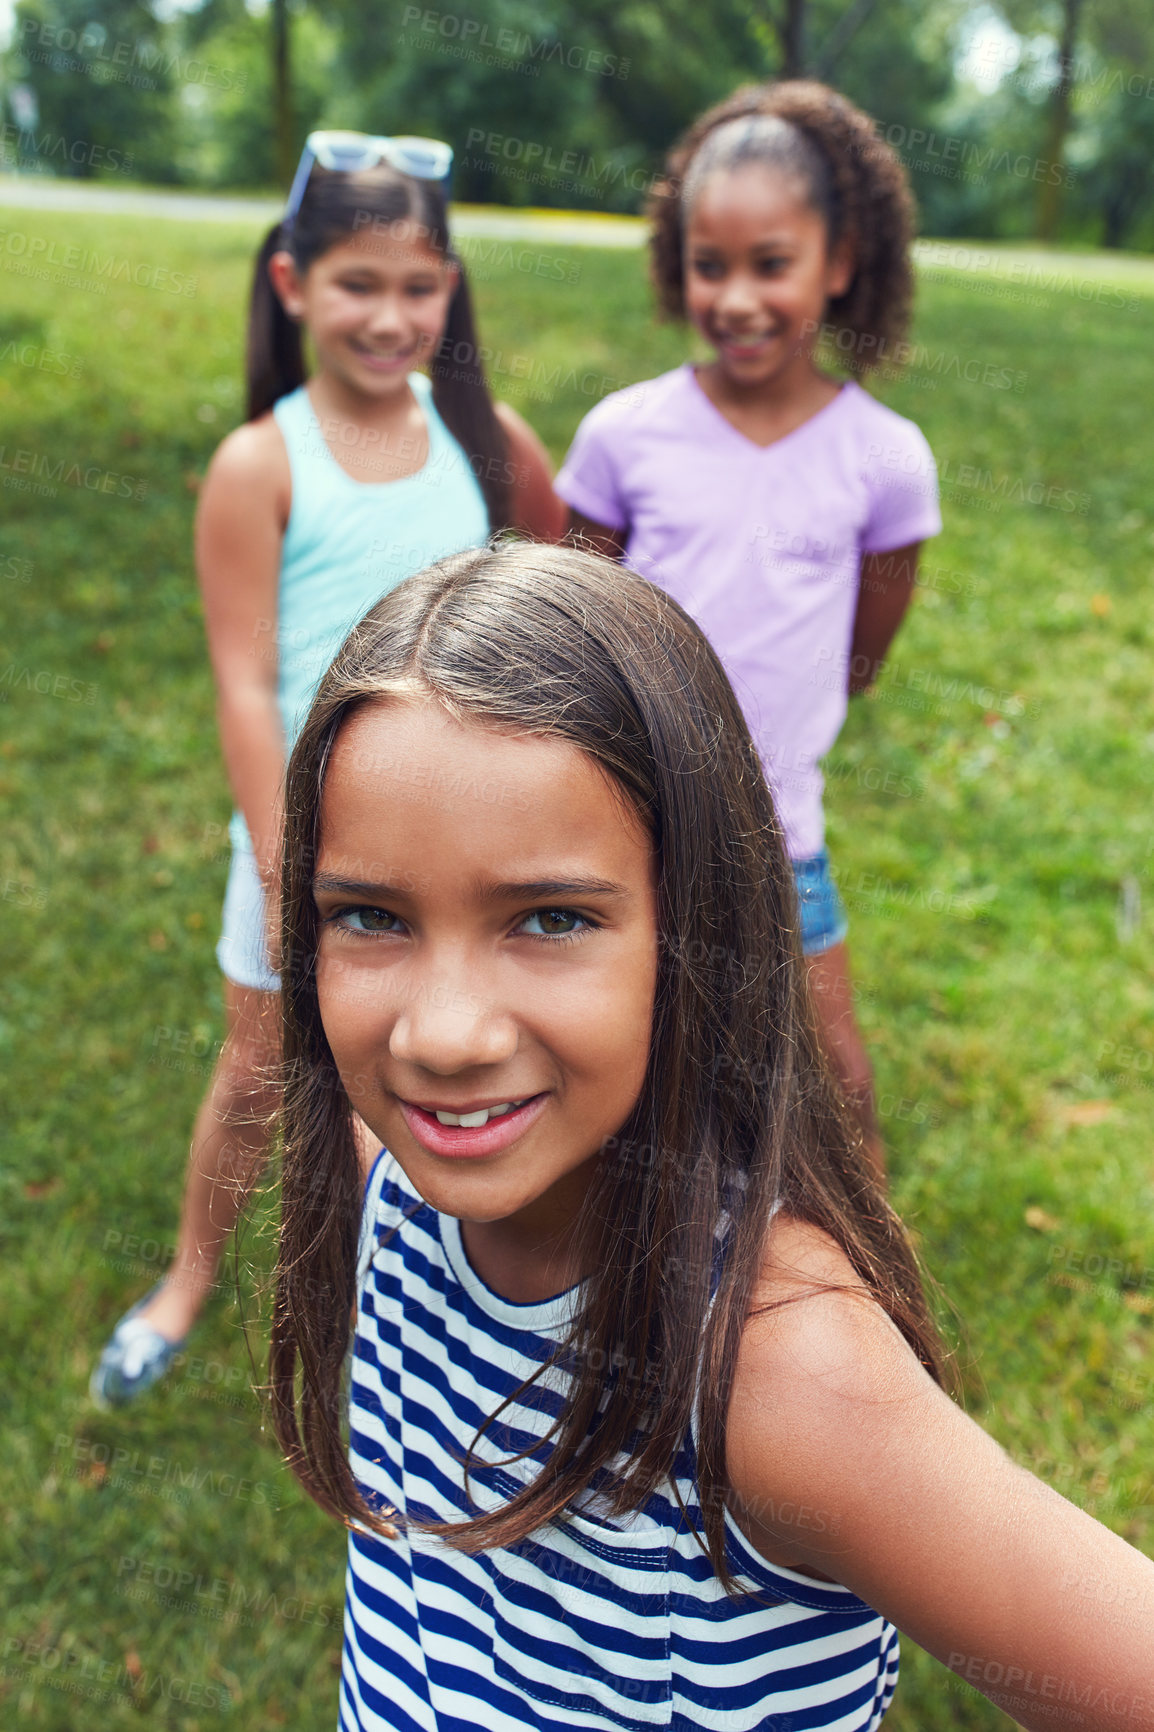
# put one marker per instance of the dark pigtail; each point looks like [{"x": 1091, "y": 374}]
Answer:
[
  {"x": 852, "y": 178},
  {"x": 274, "y": 358},
  {"x": 461, "y": 394}
]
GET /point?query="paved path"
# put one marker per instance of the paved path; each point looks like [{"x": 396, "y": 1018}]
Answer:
[
  {"x": 1015, "y": 264},
  {"x": 563, "y": 228}
]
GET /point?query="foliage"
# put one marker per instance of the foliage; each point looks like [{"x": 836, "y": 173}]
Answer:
[
  {"x": 573, "y": 105},
  {"x": 227, "y": 137},
  {"x": 1108, "y": 152},
  {"x": 103, "y": 81}
]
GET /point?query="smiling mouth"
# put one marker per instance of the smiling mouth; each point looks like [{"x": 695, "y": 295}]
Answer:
[
  {"x": 752, "y": 340},
  {"x": 487, "y": 1130},
  {"x": 473, "y": 1121},
  {"x": 384, "y": 355}
]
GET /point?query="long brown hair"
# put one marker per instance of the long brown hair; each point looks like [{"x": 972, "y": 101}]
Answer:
[
  {"x": 852, "y": 179},
  {"x": 737, "y": 1111},
  {"x": 336, "y": 207}
]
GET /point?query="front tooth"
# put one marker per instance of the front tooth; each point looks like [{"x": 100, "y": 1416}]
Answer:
[{"x": 473, "y": 1121}]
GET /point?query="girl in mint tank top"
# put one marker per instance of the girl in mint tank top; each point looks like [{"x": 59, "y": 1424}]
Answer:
[{"x": 387, "y": 454}]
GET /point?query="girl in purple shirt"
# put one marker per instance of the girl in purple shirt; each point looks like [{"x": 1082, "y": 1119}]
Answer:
[{"x": 784, "y": 510}]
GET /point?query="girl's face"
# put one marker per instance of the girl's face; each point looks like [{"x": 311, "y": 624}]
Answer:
[
  {"x": 487, "y": 950},
  {"x": 375, "y": 304},
  {"x": 759, "y": 273}
]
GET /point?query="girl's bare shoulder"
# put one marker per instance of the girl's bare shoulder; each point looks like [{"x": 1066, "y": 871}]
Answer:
[
  {"x": 249, "y": 466},
  {"x": 814, "y": 1321},
  {"x": 252, "y": 453},
  {"x": 820, "y": 1362}
]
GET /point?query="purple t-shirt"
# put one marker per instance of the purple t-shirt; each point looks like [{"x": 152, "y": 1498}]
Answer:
[{"x": 762, "y": 545}]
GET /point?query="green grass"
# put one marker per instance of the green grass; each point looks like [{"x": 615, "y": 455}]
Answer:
[{"x": 989, "y": 818}]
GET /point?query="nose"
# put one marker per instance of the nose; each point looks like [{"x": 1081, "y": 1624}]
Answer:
[
  {"x": 736, "y": 294},
  {"x": 449, "y": 1022},
  {"x": 387, "y": 316}
]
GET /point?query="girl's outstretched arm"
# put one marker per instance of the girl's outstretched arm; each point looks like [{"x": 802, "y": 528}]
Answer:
[
  {"x": 240, "y": 523},
  {"x": 846, "y": 1460},
  {"x": 537, "y": 511},
  {"x": 885, "y": 591}
]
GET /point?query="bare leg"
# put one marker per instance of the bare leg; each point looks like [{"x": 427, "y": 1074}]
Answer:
[
  {"x": 229, "y": 1145},
  {"x": 832, "y": 995}
]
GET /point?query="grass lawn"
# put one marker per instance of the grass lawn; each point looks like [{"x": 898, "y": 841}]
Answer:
[{"x": 989, "y": 815}]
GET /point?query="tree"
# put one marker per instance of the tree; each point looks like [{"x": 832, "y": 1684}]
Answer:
[
  {"x": 286, "y": 155},
  {"x": 791, "y": 31},
  {"x": 1094, "y": 124},
  {"x": 102, "y": 73},
  {"x": 1050, "y": 193}
]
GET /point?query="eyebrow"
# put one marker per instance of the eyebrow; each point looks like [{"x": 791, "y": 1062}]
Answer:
[
  {"x": 527, "y": 890},
  {"x": 770, "y": 241},
  {"x": 545, "y": 889}
]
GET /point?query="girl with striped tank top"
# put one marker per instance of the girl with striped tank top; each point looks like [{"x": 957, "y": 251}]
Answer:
[
  {"x": 646, "y": 1425},
  {"x": 340, "y": 483}
]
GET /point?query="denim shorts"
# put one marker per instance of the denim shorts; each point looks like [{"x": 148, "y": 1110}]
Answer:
[
  {"x": 823, "y": 917},
  {"x": 241, "y": 952}
]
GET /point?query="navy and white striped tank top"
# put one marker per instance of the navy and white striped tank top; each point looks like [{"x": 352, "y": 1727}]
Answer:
[{"x": 590, "y": 1624}]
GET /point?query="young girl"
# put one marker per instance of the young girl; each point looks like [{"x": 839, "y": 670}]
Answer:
[
  {"x": 645, "y": 1426},
  {"x": 784, "y": 510},
  {"x": 332, "y": 491}
]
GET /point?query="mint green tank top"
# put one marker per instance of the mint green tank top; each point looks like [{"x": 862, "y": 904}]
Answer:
[{"x": 349, "y": 542}]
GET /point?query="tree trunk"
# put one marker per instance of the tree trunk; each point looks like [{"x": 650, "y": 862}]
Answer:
[
  {"x": 842, "y": 33},
  {"x": 1050, "y": 198},
  {"x": 792, "y": 34},
  {"x": 282, "y": 95}
]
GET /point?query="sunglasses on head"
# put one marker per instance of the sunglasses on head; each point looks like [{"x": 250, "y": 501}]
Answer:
[{"x": 353, "y": 152}]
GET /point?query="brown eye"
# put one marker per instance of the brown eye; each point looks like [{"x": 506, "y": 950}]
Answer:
[
  {"x": 555, "y": 922},
  {"x": 368, "y": 919}
]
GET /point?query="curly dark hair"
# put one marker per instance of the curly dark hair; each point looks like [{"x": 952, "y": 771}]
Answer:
[{"x": 852, "y": 178}]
